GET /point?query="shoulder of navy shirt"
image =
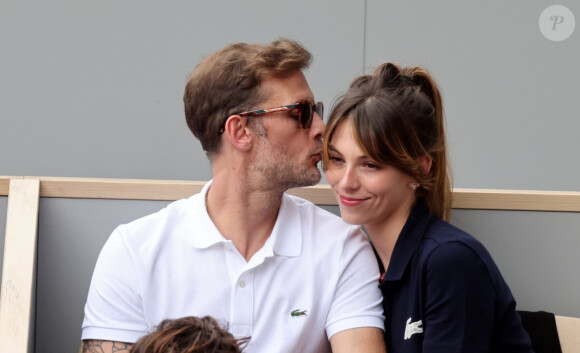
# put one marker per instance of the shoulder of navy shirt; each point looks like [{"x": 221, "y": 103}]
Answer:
[{"x": 405, "y": 290}]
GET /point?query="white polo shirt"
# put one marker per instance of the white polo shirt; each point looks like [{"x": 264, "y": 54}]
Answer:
[{"x": 314, "y": 276}]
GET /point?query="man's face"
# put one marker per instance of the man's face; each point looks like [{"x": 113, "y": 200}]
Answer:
[{"x": 287, "y": 155}]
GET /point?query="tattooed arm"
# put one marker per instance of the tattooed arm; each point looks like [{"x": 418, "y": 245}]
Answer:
[{"x": 98, "y": 346}]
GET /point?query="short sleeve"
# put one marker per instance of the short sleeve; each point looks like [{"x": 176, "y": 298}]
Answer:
[
  {"x": 459, "y": 301},
  {"x": 357, "y": 301},
  {"x": 114, "y": 310}
]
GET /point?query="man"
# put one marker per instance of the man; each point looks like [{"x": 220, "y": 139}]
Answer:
[{"x": 276, "y": 268}]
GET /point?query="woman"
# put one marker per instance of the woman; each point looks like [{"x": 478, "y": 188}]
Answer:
[
  {"x": 189, "y": 335},
  {"x": 385, "y": 159}
]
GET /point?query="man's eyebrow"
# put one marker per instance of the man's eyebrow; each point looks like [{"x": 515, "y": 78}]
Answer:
[{"x": 306, "y": 99}]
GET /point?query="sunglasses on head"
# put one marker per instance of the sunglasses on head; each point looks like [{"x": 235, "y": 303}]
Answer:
[{"x": 305, "y": 113}]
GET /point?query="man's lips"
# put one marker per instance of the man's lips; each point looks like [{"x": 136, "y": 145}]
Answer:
[
  {"x": 351, "y": 201},
  {"x": 316, "y": 156}
]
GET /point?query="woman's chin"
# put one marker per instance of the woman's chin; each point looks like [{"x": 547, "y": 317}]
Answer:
[{"x": 350, "y": 219}]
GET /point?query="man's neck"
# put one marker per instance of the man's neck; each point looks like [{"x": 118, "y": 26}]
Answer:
[{"x": 244, "y": 215}]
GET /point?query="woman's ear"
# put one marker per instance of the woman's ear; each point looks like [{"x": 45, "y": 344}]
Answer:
[
  {"x": 237, "y": 133},
  {"x": 426, "y": 163}
]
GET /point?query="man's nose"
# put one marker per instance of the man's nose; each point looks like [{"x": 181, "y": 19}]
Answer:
[{"x": 317, "y": 127}]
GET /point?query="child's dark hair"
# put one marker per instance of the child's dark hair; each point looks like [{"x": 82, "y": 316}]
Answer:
[{"x": 189, "y": 335}]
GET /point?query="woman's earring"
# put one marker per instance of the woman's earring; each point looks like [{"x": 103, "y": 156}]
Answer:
[{"x": 414, "y": 186}]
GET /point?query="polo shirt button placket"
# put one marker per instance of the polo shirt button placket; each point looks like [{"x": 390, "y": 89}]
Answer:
[{"x": 243, "y": 305}]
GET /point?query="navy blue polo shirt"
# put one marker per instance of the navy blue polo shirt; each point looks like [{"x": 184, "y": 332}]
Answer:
[{"x": 443, "y": 293}]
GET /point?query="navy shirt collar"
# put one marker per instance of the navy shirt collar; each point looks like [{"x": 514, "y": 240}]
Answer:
[{"x": 409, "y": 240}]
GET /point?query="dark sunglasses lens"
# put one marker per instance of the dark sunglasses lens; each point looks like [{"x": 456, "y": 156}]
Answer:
[
  {"x": 305, "y": 115},
  {"x": 320, "y": 110}
]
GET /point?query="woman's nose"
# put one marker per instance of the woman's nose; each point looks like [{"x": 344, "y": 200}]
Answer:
[{"x": 349, "y": 179}]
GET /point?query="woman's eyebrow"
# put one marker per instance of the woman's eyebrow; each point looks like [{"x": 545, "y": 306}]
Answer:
[{"x": 333, "y": 149}]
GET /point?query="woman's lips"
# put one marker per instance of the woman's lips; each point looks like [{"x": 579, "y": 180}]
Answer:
[{"x": 351, "y": 201}]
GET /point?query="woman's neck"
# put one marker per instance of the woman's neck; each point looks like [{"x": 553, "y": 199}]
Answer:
[{"x": 384, "y": 234}]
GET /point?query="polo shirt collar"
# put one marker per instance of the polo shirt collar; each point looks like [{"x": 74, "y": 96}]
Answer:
[
  {"x": 286, "y": 237},
  {"x": 409, "y": 240},
  {"x": 204, "y": 232},
  {"x": 285, "y": 240}
]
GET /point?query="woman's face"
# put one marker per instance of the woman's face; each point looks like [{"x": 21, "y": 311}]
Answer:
[{"x": 368, "y": 193}]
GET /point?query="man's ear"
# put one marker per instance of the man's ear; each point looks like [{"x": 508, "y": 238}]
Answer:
[
  {"x": 237, "y": 133},
  {"x": 426, "y": 163}
]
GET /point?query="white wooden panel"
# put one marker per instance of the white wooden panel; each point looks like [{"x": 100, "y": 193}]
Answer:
[
  {"x": 569, "y": 333},
  {"x": 16, "y": 297}
]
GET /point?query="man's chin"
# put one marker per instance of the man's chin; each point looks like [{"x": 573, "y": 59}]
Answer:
[
  {"x": 316, "y": 175},
  {"x": 309, "y": 178}
]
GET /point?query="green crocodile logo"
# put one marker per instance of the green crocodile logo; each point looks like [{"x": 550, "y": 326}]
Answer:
[{"x": 298, "y": 312}]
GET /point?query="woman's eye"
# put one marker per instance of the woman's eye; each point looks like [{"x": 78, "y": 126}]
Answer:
[
  {"x": 335, "y": 159},
  {"x": 372, "y": 166}
]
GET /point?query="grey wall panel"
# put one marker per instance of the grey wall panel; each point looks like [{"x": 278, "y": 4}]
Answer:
[
  {"x": 94, "y": 89},
  {"x": 71, "y": 235},
  {"x": 3, "y": 209},
  {"x": 510, "y": 94},
  {"x": 537, "y": 253}
]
